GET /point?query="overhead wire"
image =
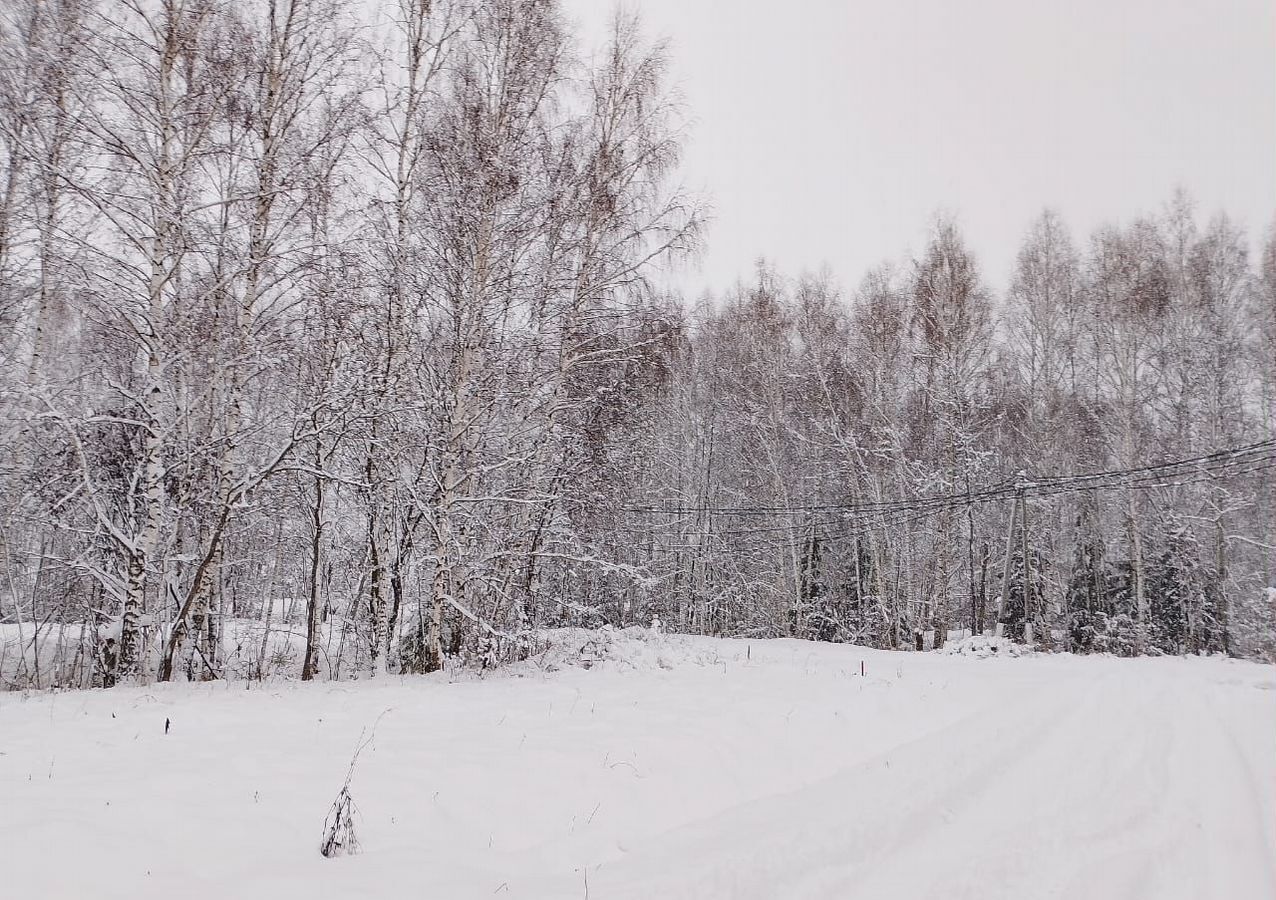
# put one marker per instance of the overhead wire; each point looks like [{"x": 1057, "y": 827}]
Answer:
[{"x": 862, "y": 517}]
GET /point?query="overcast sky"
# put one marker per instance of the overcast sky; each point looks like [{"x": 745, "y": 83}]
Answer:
[{"x": 831, "y": 131}]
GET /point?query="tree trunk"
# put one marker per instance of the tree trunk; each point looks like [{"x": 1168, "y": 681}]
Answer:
[{"x": 310, "y": 665}]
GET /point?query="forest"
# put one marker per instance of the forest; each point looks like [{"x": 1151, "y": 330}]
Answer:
[{"x": 336, "y": 344}]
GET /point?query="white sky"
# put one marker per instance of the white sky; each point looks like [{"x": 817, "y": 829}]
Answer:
[{"x": 831, "y": 131}]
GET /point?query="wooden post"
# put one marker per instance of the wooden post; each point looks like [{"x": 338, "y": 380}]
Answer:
[
  {"x": 1027, "y": 571},
  {"x": 1140, "y": 604},
  {"x": 1005, "y": 569},
  {"x": 975, "y": 624}
]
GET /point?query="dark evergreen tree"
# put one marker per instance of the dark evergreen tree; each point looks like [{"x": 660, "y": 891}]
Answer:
[
  {"x": 1086, "y": 597},
  {"x": 1014, "y": 616},
  {"x": 816, "y": 614},
  {"x": 863, "y": 617},
  {"x": 1173, "y": 591},
  {"x": 1120, "y": 632}
]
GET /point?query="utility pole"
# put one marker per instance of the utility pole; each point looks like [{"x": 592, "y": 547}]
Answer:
[
  {"x": 999, "y": 628},
  {"x": 975, "y": 625},
  {"x": 1027, "y": 570}
]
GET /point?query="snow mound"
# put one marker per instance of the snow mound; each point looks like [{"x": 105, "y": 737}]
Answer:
[
  {"x": 622, "y": 649},
  {"x": 983, "y": 646}
]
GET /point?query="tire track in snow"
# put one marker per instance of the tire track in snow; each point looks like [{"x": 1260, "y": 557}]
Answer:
[
  {"x": 1248, "y": 786},
  {"x": 1100, "y": 790},
  {"x": 811, "y": 841}
]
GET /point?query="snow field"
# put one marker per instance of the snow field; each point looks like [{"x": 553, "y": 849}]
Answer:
[{"x": 672, "y": 767}]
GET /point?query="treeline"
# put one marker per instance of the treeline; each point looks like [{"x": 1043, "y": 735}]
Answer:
[
  {"x": 891, "y": 466},
  {"x": 346, "y": 326}
]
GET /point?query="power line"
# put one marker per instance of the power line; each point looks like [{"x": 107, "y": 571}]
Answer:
[
  {"x": 864, "y": 517},
  {"x": 1001, "y": 490}
]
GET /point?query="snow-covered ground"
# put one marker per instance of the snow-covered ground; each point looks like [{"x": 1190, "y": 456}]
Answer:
[{"x": 671, "y": 767}]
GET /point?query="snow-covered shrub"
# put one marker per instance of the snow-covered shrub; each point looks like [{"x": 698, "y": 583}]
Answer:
[
  {"x": 984, "y": 646},
  {"x": 636, "y": 647}
]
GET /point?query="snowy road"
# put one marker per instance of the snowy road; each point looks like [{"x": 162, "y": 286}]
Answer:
[{"x": 770, "y": 770}]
